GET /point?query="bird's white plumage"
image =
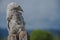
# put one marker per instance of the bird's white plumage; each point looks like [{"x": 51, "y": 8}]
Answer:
[{"x": 12, "y": 5}]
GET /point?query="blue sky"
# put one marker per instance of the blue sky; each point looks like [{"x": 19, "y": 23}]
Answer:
[{"x": 38, "y": 14}]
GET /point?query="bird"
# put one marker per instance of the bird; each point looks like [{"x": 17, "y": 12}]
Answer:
[
  {"x": 14, "y": 17},
  {"x": 15, "y": 21}
]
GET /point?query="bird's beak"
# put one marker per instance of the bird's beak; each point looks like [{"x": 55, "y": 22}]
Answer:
[{"x": 21, "y": 11}]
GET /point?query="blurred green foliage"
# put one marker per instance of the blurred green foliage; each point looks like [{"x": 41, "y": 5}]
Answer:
[{"x": 40, "y": 35}]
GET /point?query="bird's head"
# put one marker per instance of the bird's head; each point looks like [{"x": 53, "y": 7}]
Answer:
[{"x": 14, "y": 7}]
